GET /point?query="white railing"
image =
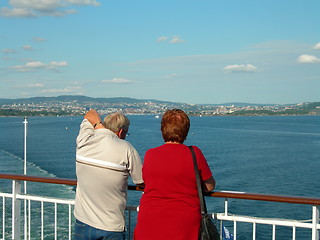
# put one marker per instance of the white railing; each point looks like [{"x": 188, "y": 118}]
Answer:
[
  {"x": 274, "y": 222},
  {"x": 43, "y": 220},
  {"x": 312, "y": 224},
  {"x": 26, "y": 216},
  {"x": 52, "y": 218}
]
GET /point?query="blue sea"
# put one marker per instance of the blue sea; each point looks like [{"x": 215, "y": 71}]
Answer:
[{"x": 260, "y": 154}]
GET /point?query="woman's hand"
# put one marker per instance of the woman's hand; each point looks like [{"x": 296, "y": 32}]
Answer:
[{"x": 209, "y": 185}]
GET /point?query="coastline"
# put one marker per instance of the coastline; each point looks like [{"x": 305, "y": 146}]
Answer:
[{"x": 17, "y": 113}]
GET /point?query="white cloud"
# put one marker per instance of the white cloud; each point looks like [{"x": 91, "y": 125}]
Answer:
[
  {"x": 39, "y": 39},
  {"x": 241, "y": 68},
  {"x": 176, "y": 39},
  {"x": 317, "y": 46},
  {"x": 308, "y": 59},
  {"x": 162, "y": 39},
  {"x": 172, "y": 75},
  {"x": 16, "y": 12},
  {"x": 27, "y": 47},
  {"x": 8, "y": 51},
  {"x": 78, "y": 90},
  {"x": 117, "y": 80},
  {"x": 36, "y": 8},
  {"x": 173, "y": 39},
  {"x": 32, "y": 66},
  {"x": 84, "y": 2},
  {"x": 34, "y": 85},
  {"x": 35, "y": 65},
  {"x": 59, "y": 64},
  {"x": 76, "y": 83},
  {"x": 20, "y": 68}
]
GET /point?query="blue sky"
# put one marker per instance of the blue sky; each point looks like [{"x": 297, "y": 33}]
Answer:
[{"x": 203, "y": 51}]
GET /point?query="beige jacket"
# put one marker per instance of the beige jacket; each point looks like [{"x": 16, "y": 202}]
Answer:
[{"x": 103, "y": 164}]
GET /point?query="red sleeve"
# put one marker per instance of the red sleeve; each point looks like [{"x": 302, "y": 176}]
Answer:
[{"x": 203, "y": 166}]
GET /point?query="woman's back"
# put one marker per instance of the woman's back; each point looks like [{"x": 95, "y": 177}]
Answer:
[{"x": 169, "y": 207}]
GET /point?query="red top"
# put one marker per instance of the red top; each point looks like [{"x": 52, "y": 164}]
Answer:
[{"x": 170, "y": 207}]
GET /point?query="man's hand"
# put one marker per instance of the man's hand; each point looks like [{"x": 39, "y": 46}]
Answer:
[
  {"x": 141, "y": 185},
  {"x": 94, "y": 118}
]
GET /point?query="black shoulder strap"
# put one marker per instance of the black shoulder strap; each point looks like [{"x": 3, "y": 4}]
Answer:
[{"x": 201, "y": 197}]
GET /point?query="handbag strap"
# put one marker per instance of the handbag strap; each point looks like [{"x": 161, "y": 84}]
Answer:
[{"x": 196, "y": 169}]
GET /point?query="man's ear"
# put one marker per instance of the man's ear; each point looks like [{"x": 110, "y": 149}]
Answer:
[{"x": 122, "y": 134}]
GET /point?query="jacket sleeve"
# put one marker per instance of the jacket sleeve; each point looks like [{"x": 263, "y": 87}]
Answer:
[
  {"x": 85, "y": 133},
  {"x": 135, "y": 166}
]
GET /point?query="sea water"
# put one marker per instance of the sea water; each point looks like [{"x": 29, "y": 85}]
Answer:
[{"x": 260, "y": 154}]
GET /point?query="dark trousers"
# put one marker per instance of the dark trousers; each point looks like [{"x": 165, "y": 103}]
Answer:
[{"x": 83, "y": 231}]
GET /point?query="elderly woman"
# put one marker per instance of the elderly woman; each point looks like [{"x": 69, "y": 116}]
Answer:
[{"x": 170, "y": 206}]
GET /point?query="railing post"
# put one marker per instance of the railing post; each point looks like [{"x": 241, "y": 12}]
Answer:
[
  {"x": 16, "y": 210},
  {"x": 225, "y": 213},
  {"x": 3, "y": 217},
  {"x": 25, "y": 182},
  {"x": 226, "y": 206},
  {"x": 315, "y": 221},
  {"x": 129, "y": 223}
]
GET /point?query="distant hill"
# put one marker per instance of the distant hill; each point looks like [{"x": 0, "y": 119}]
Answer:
[
  {"x": 83, "y": 100},
  {"x": 75, "y": 105},
  {"x": 77, "y": 98},
  {"x": 240, "y": 104}
]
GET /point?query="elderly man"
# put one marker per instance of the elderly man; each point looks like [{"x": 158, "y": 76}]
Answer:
[{"x": 103, "y": 163}]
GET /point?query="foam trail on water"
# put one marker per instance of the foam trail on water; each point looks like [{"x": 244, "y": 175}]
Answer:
[{"x": 12, "y": 164}]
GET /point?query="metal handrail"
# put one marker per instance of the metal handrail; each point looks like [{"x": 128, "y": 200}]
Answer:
[
  {"x": 17, "y": 196},
  {"x": 219, "y": 194}
]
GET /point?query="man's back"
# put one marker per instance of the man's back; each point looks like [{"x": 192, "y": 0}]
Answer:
[{"x": 103, "y": 165}]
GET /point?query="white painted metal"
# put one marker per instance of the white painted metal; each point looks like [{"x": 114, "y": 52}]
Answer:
[
  {"x": 70, "y": 229},
  {"x": 273, "y": 232},
  {"x": 315, "y": 222},
  {"x": 29, "y": 220},
  {"x": 45, "y": 199},
  {"x": 267, "y": 221},
  {"x": 25, "y": 173},
  {"x": 17, "y": 197},
  {"x": 3, "y": 217},
  {"x": 55, "y": 221},
  {"x": 254, "y": 227},
  {"x": 16, "y": 210},
  {"x": 25, "y": 148},
  {"x": 294, "y": 233},
  {"x": 42, "y": 222},
  {"x": 226, "y": 206}
]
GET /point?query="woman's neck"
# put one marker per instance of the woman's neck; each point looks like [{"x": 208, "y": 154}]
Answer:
[{"x": 172, "y": 142}]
